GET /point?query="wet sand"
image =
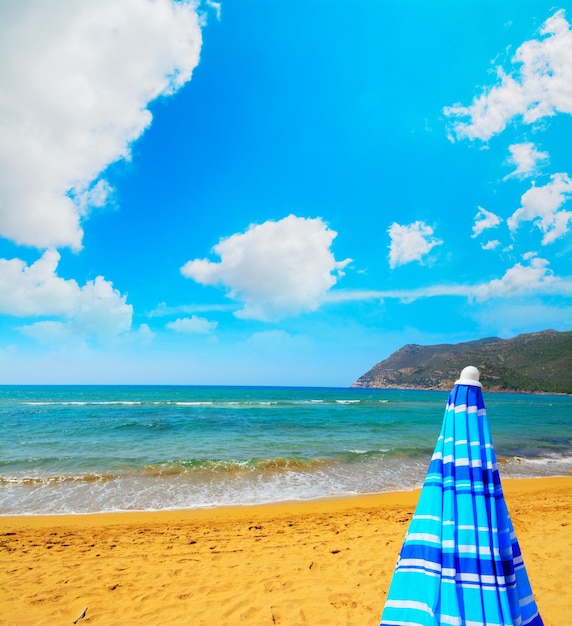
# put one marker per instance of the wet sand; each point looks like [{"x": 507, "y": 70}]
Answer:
[{"x": 319, "y": 563}]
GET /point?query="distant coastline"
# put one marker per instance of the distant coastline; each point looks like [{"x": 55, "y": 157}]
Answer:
[
  {"x": 486, "y": 389},
  {"x": 533, "y": 363}
]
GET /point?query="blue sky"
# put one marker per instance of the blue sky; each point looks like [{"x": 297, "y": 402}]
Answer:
[{"x": 274, "y": 192}]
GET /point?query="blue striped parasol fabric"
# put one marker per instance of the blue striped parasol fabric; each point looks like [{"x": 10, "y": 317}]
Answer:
[{"x": 460, "y": 563}]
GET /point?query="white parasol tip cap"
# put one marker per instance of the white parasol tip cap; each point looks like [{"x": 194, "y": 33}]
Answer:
[{"x": 469, "y": 376}]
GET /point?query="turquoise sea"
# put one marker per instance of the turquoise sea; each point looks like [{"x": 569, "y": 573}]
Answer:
[{"x": 85, "y": 449}]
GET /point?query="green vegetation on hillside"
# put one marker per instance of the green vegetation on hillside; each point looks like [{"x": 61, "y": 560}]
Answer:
[{"x": 536, "y": 362}]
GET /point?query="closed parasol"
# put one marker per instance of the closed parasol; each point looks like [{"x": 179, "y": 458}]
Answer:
[{"x": 460, "y": 563}]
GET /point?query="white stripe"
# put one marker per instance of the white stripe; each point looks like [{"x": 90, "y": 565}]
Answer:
[
  {"x": 530, "y": 619},
  {"x": 470, "y": 586},
  {"x": 419, "y": 563},
  {"x": 471, "y": 549},
  {"x": 480, "y": 528},
  {"x": 476, "y": 578},
  {"x": 525, "y": 601},
  {"x": 432, "y": 517},
  {"x": 434, "y": 476},
  {"x": 450, "y": 619},
  {"x": 416, "y": 570},
  {"x": 410, "y": 604},
  {"x": 467, "y": 549},
  {"x": 423, "y": 537}
]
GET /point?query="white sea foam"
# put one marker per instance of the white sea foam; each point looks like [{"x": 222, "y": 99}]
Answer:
[{"x": 189, "y": 490}]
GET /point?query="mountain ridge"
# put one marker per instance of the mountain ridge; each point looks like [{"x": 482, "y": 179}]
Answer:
[{"x": 539, "y": 362}]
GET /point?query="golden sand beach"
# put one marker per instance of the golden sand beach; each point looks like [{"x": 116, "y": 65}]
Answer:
[{"x": 319, "y": 563}]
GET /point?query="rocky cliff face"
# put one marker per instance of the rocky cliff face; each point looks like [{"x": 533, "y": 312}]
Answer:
[{"x": 534, "y": 362}]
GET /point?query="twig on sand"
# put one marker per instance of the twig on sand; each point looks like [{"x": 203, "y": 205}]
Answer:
[{"x": 80, "y": 616}]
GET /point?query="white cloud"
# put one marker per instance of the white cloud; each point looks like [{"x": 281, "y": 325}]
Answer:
[
  {"x": 36, "y": 291},
  {"x": 410, "y": 243},
  {"x": 526, "y": 158},
  {"x": 542, "y": 205},
  {"x": 48, "y": 332},
  {"x": 276, "y": 269},
  {"x": 519, "y": 280},
  {"x": 541, "y": 86},
  {"x": 193, "y": 325},
  {"x": 216, "y": 6},
  {"x": 163, "y": 310},
  {"x": 491, "y": 245},
  {"x": 142, "y": 337},
  {"x": 484, "y": 220},
  {"x": 77, "y": 78},
  {"x": 532, "y": 279}
]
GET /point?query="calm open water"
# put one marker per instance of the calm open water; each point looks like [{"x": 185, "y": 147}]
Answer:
[{"x": 83, "y": 449}]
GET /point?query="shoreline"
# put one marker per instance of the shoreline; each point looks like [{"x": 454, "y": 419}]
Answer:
[
  {"x": 401, "y": 497},
  {"x": 448, "y": 388},
  {"x": 321, "y": 562}
]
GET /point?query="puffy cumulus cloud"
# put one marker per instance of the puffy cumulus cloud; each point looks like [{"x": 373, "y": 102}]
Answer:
[
  {"x": 543, "y": 205},
  {"x": 193, "y": 325},
  {"x": 526, "y": 158},
  {"x": 77, "y": 78},
  {"x": 96, "y": 309},
  {"x": 276, "y": 269},
  {"x": 410, "y": 242},
  {"x": 541, "y": 86},
  {"x": 484, "y": 220},
  {"x": 35, "y": 289},
  {"x": 534, "y": 278}
]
